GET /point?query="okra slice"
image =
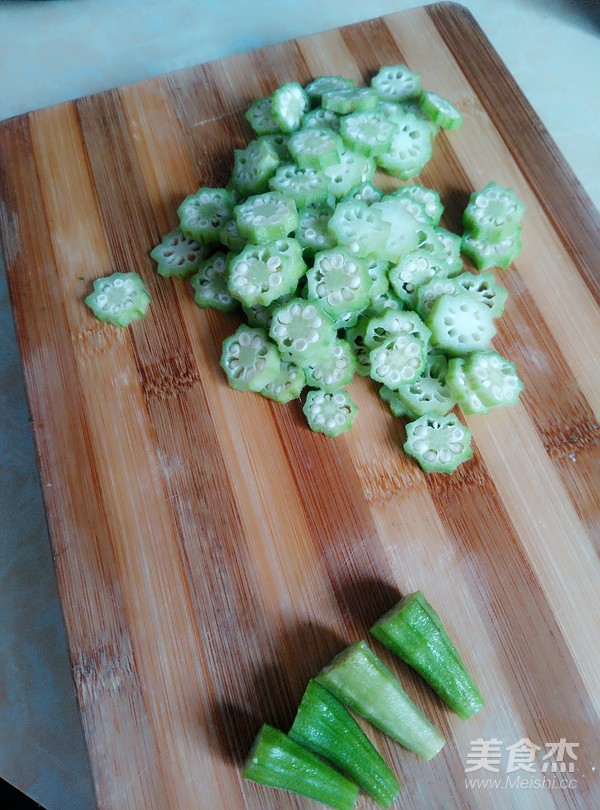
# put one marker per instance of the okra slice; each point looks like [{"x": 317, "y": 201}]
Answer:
[
  {"x": 276, "y": 760},
  {"x": 210, "y": 284},
  {"x": 430, "y": 392},
  {"x": 392, "y": 323},
  {"x": 253, "y": 167},
  {"x": 430, "y": 291},
  {"x": 334, "y": 369},
  {"x": 367, "y": 132},
  {"x": 260, "y": 116},
  {"x": 201, "y": 215},
  {"x": 358, "y": 678},
  {"x": 302, "y": 331},
  {"x": 413, "y": 270},
  {"x": 428, "y": 199},
  {"x": 411, "y": 633},
  {"x": 350, "y": 170},
  {"x": 339, "y": 281},
  {"x": 410, "y": 149},
  {"x": 279, "y": 142},
  {"x": 304, "y": 186},
  {"x": 493, "y": 211},
  {"x": 398, "y": 360},
  {"x": 396, "y": 405},
  {"x": 486, "y": 288},
  {"x": 323, "y": 725},
  {"x": 119, "y": 299},
  {"x": 459, "y": 384},
  {"x": 396, "y": 83},
  {"x": 290, "y": 101},
  {"x": 493, "y": 378},
  {"x": 441, "y": 111},
  {"x": 287, "y": 384},
  {"x": 321, "y": 118},
  {"x": 266, "y": 217},
  {"x": 486, "y": 253},
  {"x": 378, "y": 270},
  {"x": 315, "y": 147},
  {"x": 262, "y": 273},
  {"x": 451, "y": 244},
  {"x": 230, "y": 236},
  {"x": 382, "y": 303},
  {"x": 177, "y": 255},
  {"x": 326, "y": 84},
  {"x": 360, "y": 227},
  {"x": 313, "y": 229},
  {"x": 365, "y": 192},
  {"x": 249, "y": 359},
  {"x": 331, "y": 413},
  {"x": 438, "y": 443},
  {"x": 460, "y": 324},
  {"x": 349, "y": 100},
  {"x": 355, "y": 336},
  {"x": 260, "y": 315}
]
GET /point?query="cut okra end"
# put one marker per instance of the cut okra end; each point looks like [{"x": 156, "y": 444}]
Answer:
[
  {"x": 119, "y": 299},
  {"x": 438, "y": 443}
]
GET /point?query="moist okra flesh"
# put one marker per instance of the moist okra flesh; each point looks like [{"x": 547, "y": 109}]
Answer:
[{"x": 411, "y": 632}]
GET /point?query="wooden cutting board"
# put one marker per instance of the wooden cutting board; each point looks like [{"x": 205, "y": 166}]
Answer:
[{"x": 211, "y": 552}]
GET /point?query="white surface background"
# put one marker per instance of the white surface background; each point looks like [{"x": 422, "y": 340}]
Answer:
[{"x": 55, "y": 50}]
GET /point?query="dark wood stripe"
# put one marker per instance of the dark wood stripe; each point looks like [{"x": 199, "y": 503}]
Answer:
[{"x": 558, "y": 190}]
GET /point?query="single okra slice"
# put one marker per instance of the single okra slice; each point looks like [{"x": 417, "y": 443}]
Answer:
[
  {"x": 290, "y": 101},
  {"x": 494, "y": 211},
  {"x": 323, "y": 725},
  {"x": 460, "y": 324},
  {"x": 210, "y": 284},
  {"x": 438, "y": 443},
  {"x": 486, "y": 288},
  {"x": 367, "y": 132},
  {"x": 428, "y": 199},
  {"x": 304, "y": 186},
  {"x": 404, "y": 229},
  {"x": 493, "y": 378},
  {"x": 358, "y": 678},
  {"x": 279, "y": 142},
  {"x": 393, "y": 322},
  {"x": 325, "y": 84},
  {"x": 331, "y": 413},
  {"x": 382, "y": 303},
  {"x": 349, "y": 100},
  {"x": 177, "y": 255},
  {"x": 201, "y": 215},
  {"x": 413, "y": 270},
  {"x": 430, "y": 392},
  {"x": 396, "y": 83},
  {"x": 249, "y": 359},
  {"x": 410, "y": 149},
  {"x": 276, "y": 760},
  {"x": 260, "y": 116},
  {"x": 302, "y": 331},
  {"x": 313, "y": 231},
  {"x": 260, "y": 315},
  {"x": 260, "y": 274},
  {"x": 334, "y": 369},
  {"x": 339, "y": 281},
  {"x": 398, "y": 360},
  {"x": 410, "y": 632},
  {"x": 266, "y": 217},
  {"x": 350, "y": 170},
  {"x": 441, "y": 111},
  {"x": 287, "y": 385},
  {"x": 430, "y": 291},
  {"x": 321, "y": 118},
  {"x": 119, "y": 299},
  {"x": 364, "y": 192},
  {"x": 315, "y": 147},
  {"x": 457, "y": 381},
  {"x": 360, "y": 227},
  {"x": 486, "y": 253},
  {"x": 253, "y": 167}
]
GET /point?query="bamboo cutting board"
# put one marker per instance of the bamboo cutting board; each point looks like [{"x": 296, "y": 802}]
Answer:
[{"x": 211, "y": 552}]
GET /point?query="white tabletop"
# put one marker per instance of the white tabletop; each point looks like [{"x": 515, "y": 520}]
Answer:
[{"x": 55, "y": 50}]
